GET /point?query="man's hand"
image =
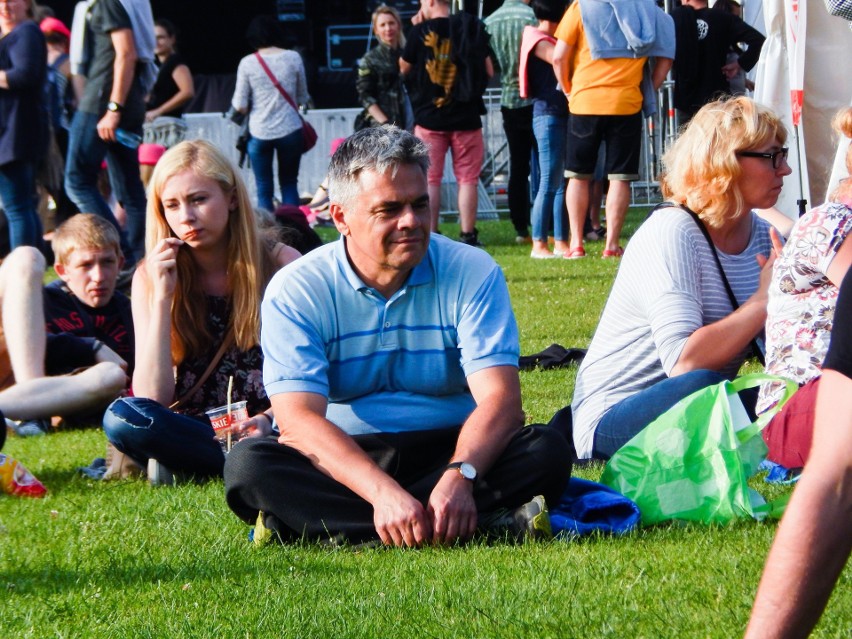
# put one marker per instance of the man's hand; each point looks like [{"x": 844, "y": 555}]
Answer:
[
  {"x": 452, "y": 509},
  {"x": 401, "y": 520},
  {"x": 107, "y": 126}
]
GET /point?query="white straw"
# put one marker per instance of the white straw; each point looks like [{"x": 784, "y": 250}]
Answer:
[{"x": 230, "y": 390}]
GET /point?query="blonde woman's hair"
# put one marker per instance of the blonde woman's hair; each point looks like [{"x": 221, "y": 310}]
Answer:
[
  {"x": 84, "y": 231},
  {"x": 400, "y": 38},
  {"x": 701, "y": 169},
  {"x": 249, "y": 262}
]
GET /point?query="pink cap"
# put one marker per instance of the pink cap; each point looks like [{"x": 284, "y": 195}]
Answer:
[
  {"x": 150, "y": 154},
  {"x": 336, "y": 142},
  {"x": 54, "y": 25}
]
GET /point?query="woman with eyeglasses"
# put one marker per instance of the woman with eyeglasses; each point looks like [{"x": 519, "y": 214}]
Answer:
[
  {"x": 802, "y": 299},
  {"x": 669, "y": 326}
]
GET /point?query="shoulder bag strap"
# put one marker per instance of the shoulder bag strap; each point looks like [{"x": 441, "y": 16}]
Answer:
[
  {"x": 734, "y": 304},
  {"x": 227, "y": 341},
  {"x": 276, "y": 83}
]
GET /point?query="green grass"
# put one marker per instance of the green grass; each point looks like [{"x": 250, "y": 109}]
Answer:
[{"x": 120, "y": 559}]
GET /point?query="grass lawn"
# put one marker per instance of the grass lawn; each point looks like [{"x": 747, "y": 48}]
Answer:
[{"x": 119, "y": 559}]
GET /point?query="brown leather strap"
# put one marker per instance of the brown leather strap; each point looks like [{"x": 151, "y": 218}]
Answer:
[
  {"x": 276, "y": 83},
  {"x": 226, "y": 344}
]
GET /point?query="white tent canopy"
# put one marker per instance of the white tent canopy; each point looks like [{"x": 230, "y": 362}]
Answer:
[{"x": 827, "y": 88}]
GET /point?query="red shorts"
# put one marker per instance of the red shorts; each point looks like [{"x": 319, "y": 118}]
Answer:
[
  {"x": 790, "y": 432},
  {"x": 468, "y": 150}
]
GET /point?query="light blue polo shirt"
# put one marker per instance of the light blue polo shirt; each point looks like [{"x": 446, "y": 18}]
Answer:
[{"x": 388, "y": 365}]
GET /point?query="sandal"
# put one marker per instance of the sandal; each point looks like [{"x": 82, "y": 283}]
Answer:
[
  {"x": 319, "y": 201},
  {"x": 575, "y": 253},
  {"x": 616, "y": 253}
]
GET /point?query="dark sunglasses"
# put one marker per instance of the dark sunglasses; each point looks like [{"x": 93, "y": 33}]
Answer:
[{"x": 775, "y": 156}]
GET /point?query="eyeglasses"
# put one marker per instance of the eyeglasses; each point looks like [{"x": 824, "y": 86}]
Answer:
[{"x": 776, "y": 156}]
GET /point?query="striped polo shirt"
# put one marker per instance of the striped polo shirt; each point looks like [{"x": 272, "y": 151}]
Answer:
[{"x": 388, "y": 365}]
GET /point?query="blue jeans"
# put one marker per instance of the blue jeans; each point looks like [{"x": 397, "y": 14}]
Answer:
[
  {"x": 86, "y": 152},
  {"x": 550, "y": 132},
  {"x": 624, "y": 420},
  {"x": 289, "y": 152},
  {"x": 143, "y": 428},
  {"x": 17, "y": 193}
]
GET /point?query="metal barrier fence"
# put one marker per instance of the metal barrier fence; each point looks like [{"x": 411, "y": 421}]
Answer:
[{"x": 330, "y": 124}]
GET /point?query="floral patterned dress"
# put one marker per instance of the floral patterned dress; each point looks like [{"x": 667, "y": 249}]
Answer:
[
  {"x": 800, "y": 312},
  {"x": 245, "y": 366}
]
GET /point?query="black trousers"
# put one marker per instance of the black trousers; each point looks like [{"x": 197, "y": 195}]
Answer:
[
  {"x": 300, "y": 501},
  {"x": 517, "y": 124}
]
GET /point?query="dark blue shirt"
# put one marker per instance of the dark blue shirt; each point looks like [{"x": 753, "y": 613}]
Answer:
[
  {"x": 23, "y": 110},
  {"x": 547, "y": 98}
]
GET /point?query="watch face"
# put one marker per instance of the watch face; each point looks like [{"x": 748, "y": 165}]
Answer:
[{"x": 468, "y": 471}]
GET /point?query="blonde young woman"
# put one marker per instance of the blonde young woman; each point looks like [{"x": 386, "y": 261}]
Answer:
[
  {"x": 379, "y": 83},
  {"x": 669, "y": 327},
  {"x": 199, "y": 285}
]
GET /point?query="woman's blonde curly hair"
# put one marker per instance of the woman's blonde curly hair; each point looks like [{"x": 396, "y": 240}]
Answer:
[{"x": 701, "y": 169}]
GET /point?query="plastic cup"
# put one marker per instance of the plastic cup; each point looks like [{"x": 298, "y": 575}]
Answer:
[{"x": 219, "y": 418}]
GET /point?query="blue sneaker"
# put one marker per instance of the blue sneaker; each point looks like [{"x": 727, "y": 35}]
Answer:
[{"x": 32, "y": 427}]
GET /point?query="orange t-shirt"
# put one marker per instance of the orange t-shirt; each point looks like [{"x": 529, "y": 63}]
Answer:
[{"x": 598, "y": 87}]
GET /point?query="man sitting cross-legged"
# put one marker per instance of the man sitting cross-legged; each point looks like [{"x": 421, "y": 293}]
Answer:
[
  {"x": 88, "y": 326},
  {"x": 391, "y": 363}
]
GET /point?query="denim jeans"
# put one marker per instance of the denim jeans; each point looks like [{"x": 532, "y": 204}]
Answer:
[
  {"x": 550, "y": 132},
  {"x": 289, "y": 152},
  {"x": 17, "y": 193},
  {"x": 143, "y": 428},
  {"x": 624, "y": 420},
  {"x": 86, "y": 152}
]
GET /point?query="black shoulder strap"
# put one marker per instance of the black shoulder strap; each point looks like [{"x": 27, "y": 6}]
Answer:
[{"x": 734, "y": 303}]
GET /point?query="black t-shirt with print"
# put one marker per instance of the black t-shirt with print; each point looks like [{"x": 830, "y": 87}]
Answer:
[
  {"x": 72, "y": 327},
  {"x": 448, "y": 76}
]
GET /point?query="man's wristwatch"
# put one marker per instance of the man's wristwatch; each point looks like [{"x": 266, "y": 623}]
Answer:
[
  {"x": 115, "y": 107},
  {"x": 467, "y": 471}
]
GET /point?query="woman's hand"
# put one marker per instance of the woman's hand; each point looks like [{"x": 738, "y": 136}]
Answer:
[
  {"x": 151, "y": 115},
  {"x": 258, "y": 426},
  {"x": 766, "y": 263},
  {"x": 161, "y": 267}
]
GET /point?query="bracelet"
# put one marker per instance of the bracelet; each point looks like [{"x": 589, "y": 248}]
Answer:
[{"x": 97, "y": 345}]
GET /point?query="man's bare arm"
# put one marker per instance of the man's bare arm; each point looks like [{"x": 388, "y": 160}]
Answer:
[
  {"x": 484, "y": 437},
  {"x": 815, "y": 536},
  {"x": 123, "y": 69}
]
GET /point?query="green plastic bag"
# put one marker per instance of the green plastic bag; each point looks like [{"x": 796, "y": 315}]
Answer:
[{"x": 693, "y": 462}]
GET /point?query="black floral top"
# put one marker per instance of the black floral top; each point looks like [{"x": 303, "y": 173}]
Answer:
[
  {"x": 379, "y": 82},
  {"x": 245, "y": 366}
]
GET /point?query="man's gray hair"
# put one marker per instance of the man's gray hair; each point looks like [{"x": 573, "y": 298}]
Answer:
[{"x": 376, "y": 149}]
